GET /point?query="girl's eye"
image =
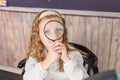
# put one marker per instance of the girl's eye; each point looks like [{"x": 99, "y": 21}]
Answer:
[{"x": 59, "y": 29}]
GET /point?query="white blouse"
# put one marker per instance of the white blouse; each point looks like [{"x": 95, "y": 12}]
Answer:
[{"x": 73, "y": 70}]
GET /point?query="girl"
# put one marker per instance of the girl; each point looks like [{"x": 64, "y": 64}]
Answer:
[{"x": 52, "y": 60}]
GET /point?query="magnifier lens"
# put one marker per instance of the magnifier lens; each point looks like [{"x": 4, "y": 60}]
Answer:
[{"x": 54, "y": 30}]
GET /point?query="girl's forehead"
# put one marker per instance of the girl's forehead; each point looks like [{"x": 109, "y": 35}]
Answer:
[
  {"x": 47, "y": 20},
  {"x": 53, "y": 25}
]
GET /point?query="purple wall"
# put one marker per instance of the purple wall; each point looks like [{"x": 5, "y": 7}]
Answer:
[{"x": 95, "y": 5}]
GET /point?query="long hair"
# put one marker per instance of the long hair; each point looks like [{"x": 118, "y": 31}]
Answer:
[{"x": 36, "y": 47}]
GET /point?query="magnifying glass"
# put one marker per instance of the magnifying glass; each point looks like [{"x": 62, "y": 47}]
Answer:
[{"x": 54, "y": 30}]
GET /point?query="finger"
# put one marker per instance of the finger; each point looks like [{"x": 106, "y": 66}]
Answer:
[
  {"x": 57, "y": 48},
  {"x": 57, "y": 41},
  {"x": 61, "y": 44},
  {"x": 55, "y": 45},
  {"x": 58, "y": 52}
]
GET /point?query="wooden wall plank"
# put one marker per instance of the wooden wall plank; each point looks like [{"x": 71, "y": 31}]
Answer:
[
  {"x": 105, "y": 27},
  {"x": 88, "y": 32},
  {"x": 118, "y": 49},
  {"x": 115, "y": 47},
  {"x": 2, "y": 41},
  {"x": 95, "y": 32}
]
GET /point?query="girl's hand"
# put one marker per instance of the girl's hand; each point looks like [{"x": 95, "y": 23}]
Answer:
[
  {"x": 53, "y": 55},
  {"x": 64, "y": 56}
]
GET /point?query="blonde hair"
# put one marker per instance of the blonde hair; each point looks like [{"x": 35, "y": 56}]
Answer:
[{"x": 36, "y": 47}]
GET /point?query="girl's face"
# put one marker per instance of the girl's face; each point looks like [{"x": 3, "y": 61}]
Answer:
[{"x": 52, "y": 31}]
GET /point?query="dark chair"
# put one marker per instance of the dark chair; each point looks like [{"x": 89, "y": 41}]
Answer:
[{"x": 90, "y": 61}]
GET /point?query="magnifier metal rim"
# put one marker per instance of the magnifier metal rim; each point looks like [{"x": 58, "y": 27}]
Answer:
[{"x": 45, "y": 27}]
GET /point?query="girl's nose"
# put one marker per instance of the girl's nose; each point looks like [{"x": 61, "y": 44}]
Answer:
[{"x": 54, "y": 36}]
